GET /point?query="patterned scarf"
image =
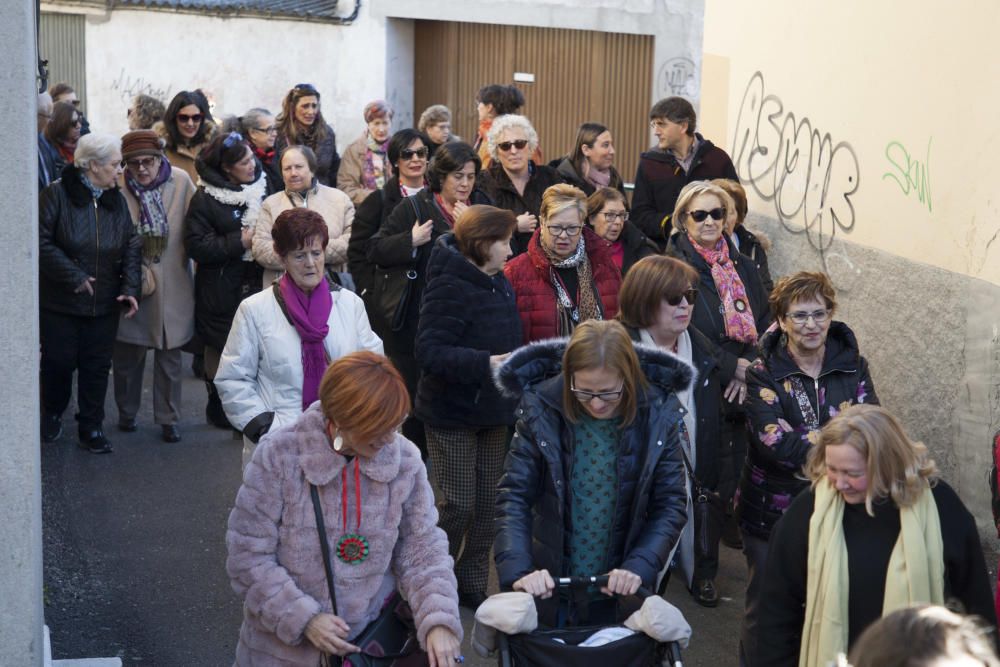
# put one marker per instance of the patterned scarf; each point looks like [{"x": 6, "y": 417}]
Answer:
[
  {"x": 152, "y": 224},
  {"x": 250, "y": 195},
  {"x": 377, "y": 169},
  {"x": 740, "y": 325},
  {"x": 588, "y": 308}
]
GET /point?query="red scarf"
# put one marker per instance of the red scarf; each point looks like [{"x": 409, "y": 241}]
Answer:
[
  {"x": 740, "y": 325},
  {"x": 265, "y": 156}
]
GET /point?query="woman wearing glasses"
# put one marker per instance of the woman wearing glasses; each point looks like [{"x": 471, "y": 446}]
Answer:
[
  {"x": 404, "y": 244},
  {"x": 157, "y": 195},
  {"x": 590, "y": 166},
  {"x": 303, "y": 190},
  {"x": 657, "y": 302},
  {"x": 261, "y": 132},
  {"x": 301, "y": 123},
  {"x": 62, "y": 133},
  {"x": 593, "y": 482},
  {"x": 567, "y": 275},
  {"x": 809, "y": 370},
  {"x": 607, "y": 215},
  {"x": 219, "y": 235},
  {"x": 732, "y": 309},
  {"x": 187, "y": 127},
  {"x": 513, "y": 181}
]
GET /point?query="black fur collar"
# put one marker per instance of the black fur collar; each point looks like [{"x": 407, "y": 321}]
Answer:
[{"x": 80, "y": 195}]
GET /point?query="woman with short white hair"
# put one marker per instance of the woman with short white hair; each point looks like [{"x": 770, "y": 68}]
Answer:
[
  {"x": 89, "y": 273},
  {"x": 513, "y": 181}
]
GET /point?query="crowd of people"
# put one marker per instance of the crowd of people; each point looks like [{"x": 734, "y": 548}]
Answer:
[{"x": 587, "y": 383}]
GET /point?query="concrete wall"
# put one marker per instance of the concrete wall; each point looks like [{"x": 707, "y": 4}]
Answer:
[
  {"x": 865, "y": 155},
  {"x": 20, "y": 476}
]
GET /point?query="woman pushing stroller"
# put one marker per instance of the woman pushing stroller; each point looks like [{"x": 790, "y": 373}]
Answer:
[{"x": 594, "y": 480}]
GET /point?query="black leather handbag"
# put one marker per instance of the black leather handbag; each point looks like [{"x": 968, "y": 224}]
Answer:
[
  {"x": 709, "y": 513},
  {"x": 395, "y": 288},
  {"x": 389, "y": 640}
]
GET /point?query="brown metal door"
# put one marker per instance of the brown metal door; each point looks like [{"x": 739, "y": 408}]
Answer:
[{"x": 580, "y": 76}]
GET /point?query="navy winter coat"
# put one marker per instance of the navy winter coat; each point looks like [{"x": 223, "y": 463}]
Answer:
[
  {"x": 533, "y": 497},
  {"x": 779, "y": 433},
  {"x": 466, "y": 317}
]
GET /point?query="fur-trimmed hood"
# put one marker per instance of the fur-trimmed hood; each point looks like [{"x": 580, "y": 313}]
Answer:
[{"x": 541, "y": 360}]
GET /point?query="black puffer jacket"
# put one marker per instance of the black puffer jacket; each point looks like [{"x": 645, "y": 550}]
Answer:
[
  {"x": 466, "y": 316},
  {"x": 81, "y": 237},
  {"x": 779, "y": 432},
  {"x": 212, "y": 239},
  {"x": 533, "y": 497},
  {"x": 498, "y": 186}
]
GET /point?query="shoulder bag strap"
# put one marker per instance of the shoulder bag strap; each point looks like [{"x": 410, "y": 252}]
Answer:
[{"x": 324, "y": 545}]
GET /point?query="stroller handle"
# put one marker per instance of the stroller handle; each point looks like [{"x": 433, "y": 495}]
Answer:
[{"x": 599, "y": 581}]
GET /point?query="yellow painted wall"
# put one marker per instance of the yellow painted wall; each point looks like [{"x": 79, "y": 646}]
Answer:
[{"x": 870, "y": 122}]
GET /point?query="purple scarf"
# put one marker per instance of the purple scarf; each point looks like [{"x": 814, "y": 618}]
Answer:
[{"x": 309, "y": 314}]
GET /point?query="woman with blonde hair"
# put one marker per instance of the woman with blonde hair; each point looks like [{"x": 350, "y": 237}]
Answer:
[
  {"x": 877, "y": 531},
  {"x": 343, "y": 462},
  {"x": 593, "y": 483},
  {"x": 567, "y": 275}
]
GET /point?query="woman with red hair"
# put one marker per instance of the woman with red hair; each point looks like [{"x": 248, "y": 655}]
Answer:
[
  {"x": 284, "y": 337},
  {"x": 343, "y": 462}
]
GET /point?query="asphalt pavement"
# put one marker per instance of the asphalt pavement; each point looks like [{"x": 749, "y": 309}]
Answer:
[{"x": 134, "y": 546}]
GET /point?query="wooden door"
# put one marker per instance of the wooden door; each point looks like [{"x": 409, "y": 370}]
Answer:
[{"x": 579, "y": 76}]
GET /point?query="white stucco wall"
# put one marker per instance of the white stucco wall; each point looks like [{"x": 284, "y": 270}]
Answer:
[{"x": 245, "y": 62}]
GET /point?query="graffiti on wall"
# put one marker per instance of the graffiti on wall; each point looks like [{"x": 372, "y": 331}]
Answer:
[
  {"x": 809, "y": 179},
  {"x": 911, "y": 175},
  {"x": 128, "y": 87},
  {"x": 676, "y": 77}
]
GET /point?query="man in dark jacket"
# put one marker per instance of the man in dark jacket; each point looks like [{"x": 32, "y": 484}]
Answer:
[{"x": 681, "y": 156}]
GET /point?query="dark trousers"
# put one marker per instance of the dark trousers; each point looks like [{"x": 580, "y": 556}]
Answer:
[
  {"x": 82, "y": 344},
  {"x": 732, "y": 449},
  {"x": 413, "y": 428},
  {"x": 755, "y": 550}
]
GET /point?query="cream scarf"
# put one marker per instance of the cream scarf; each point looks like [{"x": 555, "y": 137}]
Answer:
[
  {"x": 250, "y": 195},
  {"x": 915, "y": 574}
]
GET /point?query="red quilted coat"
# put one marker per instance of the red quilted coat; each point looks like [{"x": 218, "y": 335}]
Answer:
[{"x": 536, "y": 296}]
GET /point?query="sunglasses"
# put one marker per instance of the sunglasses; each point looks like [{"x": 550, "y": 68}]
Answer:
[
  {"x": 507, "y": 145},
  {"x": 231, "y": 139},
  {"x": 193, "y": 118},
  {"x": 689, "y": 294},
  {"x": 410, "y": 153},
  {"x": 716, "y": 213},
  {"x": 141, "y": 163}
]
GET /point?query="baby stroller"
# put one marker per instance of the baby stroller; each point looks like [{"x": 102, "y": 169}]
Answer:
[{"x": 559, "y": 647}]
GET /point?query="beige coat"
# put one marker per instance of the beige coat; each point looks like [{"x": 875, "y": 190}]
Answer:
[
  {"x": 165, "y": 320},
  {"x": 336, "y": 209},
  {"x": 183, "y": 157},
  {"x": 352, "y": 169}
]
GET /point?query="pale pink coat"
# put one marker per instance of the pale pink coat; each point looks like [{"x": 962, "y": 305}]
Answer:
[{"x": 274, "y": 554}]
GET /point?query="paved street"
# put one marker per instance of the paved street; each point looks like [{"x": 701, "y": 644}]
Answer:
[{"x": 135, "y": 551}]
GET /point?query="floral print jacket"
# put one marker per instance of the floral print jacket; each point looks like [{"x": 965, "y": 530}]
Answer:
[{"x": 785, "y": 409}]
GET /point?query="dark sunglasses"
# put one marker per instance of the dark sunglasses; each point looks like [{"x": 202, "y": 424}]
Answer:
[
  {"x": 506, "y": 145},
  {"x": 716, "y": 213},
  {"x": 689, "y": 294},
  {"x": 231, "y": 139},
  {"x": 193, "y": 118},
  {"x": 410, "y": 153}
]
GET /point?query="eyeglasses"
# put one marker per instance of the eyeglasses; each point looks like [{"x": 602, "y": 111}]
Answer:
[
  {"x": 231, "y": 139},
  {"x": 607, "y": 396},
  {"x": 802, "y": 317},
  {"x": 410, "y": 153},
  {"x": 77, "y": 121},
  {"x": 611, "y": 216},
  {"x": 689, "y": 294},
  {"x": 700, "y": 216},
  {"x": 658, "y": 124},
  {"x": 273, "y": 129},
  {"x": 507, "y": 145},
  {"x": 564, "y": 231},
  {"x": 189, "y": 118},
  {"x": 143, "y": 163}
]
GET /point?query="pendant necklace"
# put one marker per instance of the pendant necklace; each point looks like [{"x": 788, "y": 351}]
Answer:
[{"x": 352, "y": 548}]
